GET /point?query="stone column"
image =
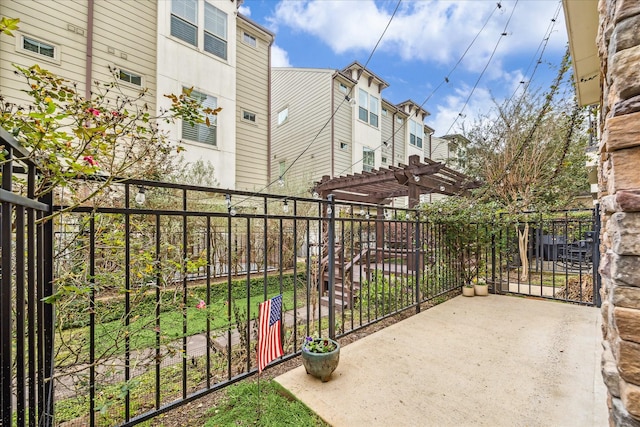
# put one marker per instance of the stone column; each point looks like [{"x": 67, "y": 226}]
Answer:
[{"x": 619, "y": 182}]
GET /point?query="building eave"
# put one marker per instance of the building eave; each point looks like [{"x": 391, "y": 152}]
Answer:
[{"x": 581, "y": 18}]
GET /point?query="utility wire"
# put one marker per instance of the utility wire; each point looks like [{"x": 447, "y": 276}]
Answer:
[
  {"x": 541, "y": 48},
  {"x": 543, "y": 44},
  {"x": 543, "y": 111},
  {"x": 475, "y": 86},
  {"x": 445, "y": 80},
  {"x": 281, "y": 177}
]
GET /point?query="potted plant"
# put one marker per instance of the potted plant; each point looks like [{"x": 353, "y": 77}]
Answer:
[
  {"x": 480, "y": 286},
  {"x": 468, "y": 290},
  {"x": 320, "y": 357}
]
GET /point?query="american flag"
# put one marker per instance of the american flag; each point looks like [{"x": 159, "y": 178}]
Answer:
[{"x": 269, "y": 341}]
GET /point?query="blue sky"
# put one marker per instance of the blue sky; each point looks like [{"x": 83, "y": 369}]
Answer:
[{"x": 422, "y": 45}]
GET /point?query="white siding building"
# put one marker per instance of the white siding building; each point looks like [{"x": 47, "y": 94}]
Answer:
[
  {"x": 336, "y": 122},
  {"x": 163, "y": 46}
]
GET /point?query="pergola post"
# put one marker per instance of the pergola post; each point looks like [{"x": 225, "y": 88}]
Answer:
[{"x": 379, "y": 233}]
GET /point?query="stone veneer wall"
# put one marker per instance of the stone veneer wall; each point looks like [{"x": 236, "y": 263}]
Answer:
[{"x": 619, "y": 180}]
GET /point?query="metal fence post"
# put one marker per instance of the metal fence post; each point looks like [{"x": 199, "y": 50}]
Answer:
[
  {"x": 418, "y": 264},
  {"x": 597, "y": 282},
  {"x": 48, "y": 313},
  {"x": 493, "y": 257},
  {"x": 332, "y": 265},
  {"x": 6, "y": 297}
]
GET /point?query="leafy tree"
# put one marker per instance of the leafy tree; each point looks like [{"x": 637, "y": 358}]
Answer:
[
  {"x": 109, "y": 136},
  {"x": 532, "y": 157}
]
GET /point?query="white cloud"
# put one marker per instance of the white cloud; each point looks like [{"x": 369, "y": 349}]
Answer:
[
  {"x": 447, "y": 119},
  {"x": 435, "y": 33},
  {"x": 245, "y": 10},
  {"x": 279, "y": 57},
  {"x": 424, "y": 30}
]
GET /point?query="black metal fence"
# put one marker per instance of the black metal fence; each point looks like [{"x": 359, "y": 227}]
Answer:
[
  {"x": 156, "y": 286},
  {"x": 554, "y": 256},
  {"x": 26, "y": 322},
  {"x": 157, "y": 296}
]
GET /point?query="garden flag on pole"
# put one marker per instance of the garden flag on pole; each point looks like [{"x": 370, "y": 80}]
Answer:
[{"x": 269, "y": 341}]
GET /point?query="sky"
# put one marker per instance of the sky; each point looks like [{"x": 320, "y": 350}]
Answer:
[{"x": 486, "y": 49}]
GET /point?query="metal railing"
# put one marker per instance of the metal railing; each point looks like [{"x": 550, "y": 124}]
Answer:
[
  {"x": 156, "y": 297},
  {"x": 204, "y": 258},
  {"x": 26, "y": 322}
]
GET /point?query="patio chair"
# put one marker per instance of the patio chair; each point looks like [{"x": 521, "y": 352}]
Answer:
[{"x": 578, "y": 253}]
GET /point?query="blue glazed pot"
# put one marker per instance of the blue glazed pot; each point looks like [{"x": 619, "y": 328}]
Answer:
[{"x": 321, "y": 365}]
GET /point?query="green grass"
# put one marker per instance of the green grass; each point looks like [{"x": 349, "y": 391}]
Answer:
[
  {"x": 272, "y": 407},
  {"x": 110, "y": 397},
  {"x": 110, "y": 336},
  {"x": 242, "y": 406}
]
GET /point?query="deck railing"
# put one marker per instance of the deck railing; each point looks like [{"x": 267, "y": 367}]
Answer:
[
  {"x": 156, "y": 286},
  {"x": 26, "y": 322}
]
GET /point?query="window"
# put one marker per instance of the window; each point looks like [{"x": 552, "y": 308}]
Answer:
[
  {"x": 251, "y": 117},
  {"x": 343, "y": 88},
  {"x": 344, "y": 145},
  {"x": 201, "y": 132},
  {"x": 185, "y": 23},
  {"x": 282, "y": 167},
  {"x": 399, "y": 120},
  {"x": 215, "y": 31},
  {"x": 384, "y": 159},
  {"x": 283, "y": 115},
  {"x": 368, "y": 159},
  {"x": 129, "y": 77},
  {"x": 368, "y": 108},
  {"x": 384, "y": 112},
  {"x": 184, "y": 20},
  {"x": 416, "y": 133},
  {"x": 363, "y": 102},
  {"x": 373, "y": 114},
  {"x": 249, "y": 39},
  {"x": 31, "y": 45}
]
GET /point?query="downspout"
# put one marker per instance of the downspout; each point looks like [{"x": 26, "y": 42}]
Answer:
[
  {"x": 393, "y": 139},
  {"x": 333, "y": 160},
  {"x": 269, "y": 112},
  {"x": 89, "y": 58}
]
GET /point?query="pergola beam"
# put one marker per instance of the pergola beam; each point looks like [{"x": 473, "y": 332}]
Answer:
[{"x": 412, "y": 180}]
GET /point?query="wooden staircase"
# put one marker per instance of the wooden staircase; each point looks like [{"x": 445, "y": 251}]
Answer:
[{"x": 344, "y": 293}]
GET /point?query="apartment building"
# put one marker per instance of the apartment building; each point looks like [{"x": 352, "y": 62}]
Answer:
[
  {"x": 163, "y": 46},
  {"x": 336, "y": 122},
  {"x": 79, "y": 41}
]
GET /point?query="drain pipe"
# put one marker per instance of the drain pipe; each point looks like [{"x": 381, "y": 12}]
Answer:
[{"x": 89, "y": 57}]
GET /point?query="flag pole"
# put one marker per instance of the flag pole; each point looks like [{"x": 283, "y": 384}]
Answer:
[
  {"x": 259, "y": 397},
  {"x": 259, "y": 373},
  {"x": 259, "y": 370}
]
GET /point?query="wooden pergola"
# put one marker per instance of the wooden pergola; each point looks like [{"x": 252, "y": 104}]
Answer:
[{"x": 380, "y": 186}]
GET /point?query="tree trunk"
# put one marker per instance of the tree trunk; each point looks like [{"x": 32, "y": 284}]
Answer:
[{"x": 523, "y": 244}]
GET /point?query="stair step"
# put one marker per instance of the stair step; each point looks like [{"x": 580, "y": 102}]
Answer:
[
  {"x": 339, "y": 289},
  {"x": 337, "y": 301}
]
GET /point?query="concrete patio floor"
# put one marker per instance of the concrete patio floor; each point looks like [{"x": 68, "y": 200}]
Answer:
[{"x": 482, "y": 361}]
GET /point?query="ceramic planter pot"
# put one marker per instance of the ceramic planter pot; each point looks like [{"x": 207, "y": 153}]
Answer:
[
  {"x": 321, "y": 365},
  {"x": 468, "y": 291},
  {"x": 482, "y": 290}
]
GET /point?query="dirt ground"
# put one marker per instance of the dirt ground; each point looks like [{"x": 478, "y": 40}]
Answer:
[{"x": 194, "y": 413}]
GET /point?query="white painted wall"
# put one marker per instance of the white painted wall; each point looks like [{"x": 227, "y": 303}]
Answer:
[
  {"x": 183, "y": 65},
  {"x": 365, "y": 135}
]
